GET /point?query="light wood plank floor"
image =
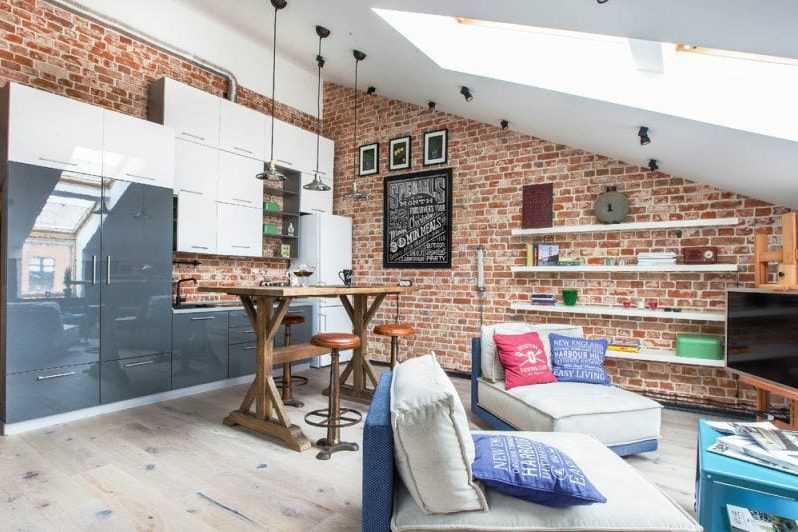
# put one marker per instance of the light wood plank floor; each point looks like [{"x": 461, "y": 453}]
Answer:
[{"x": 175, "y": 466}]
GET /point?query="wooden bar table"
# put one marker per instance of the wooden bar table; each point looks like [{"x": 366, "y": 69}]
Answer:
[{"x": 270, "y": 416}]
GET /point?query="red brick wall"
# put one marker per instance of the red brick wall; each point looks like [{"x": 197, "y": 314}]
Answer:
[
  {"x": 51, "y": 49},
  {"x": 490, "y": 167}
]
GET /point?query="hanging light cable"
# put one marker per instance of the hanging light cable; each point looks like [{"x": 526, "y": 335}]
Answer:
[
  {"x": 271, "y": 170},
  {"x": 317, "y": 184},
  {"x": 355, "y": 193}
]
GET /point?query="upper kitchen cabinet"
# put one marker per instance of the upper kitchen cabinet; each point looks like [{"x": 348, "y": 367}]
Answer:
[
  {"x": 288, "y": 145},
  {"x": 315, "y": 201},
  {"x": 196, "y": 224},
  {"x": 326, "y": 148},
  {"x": 237, "y": 183},
  {"x": 242, "y": 131},
  {"x": 138, "y": 151},
  {"x": 52, "y": 131},
  {"x": 239, "y": 231},
  {"x": 196, "y": 169},
  {"x": 194, "y": 114}
]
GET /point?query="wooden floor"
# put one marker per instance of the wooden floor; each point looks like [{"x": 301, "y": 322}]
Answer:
[{"x": 175, "y": 466}]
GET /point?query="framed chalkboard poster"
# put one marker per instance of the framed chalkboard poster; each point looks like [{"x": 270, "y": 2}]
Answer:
[{"x": 417, "y": 220}]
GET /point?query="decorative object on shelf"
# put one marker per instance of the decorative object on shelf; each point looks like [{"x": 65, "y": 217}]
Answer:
[
  {"x": 271, "y": 206},
  {"x": 346, "y": 277},
  {"x": 700, "y": 255},
  {"x": 417, "y": 220},
  {"x": 290, "y": 229},
  {"x": 652, "y": 304},
  {"x": 405, "y": 282},
  {"x": 436, "y": 147},
  {"x": 786, "y": 257},
  {"x": 271, "y": 169},
  {"x": 399, "y": 154},
  {"x": 570, "y": 296},
  {"x": 355, "y": 193},
  {"x": 285, "y": 251},
  {"x": 542, "y": 254},
  {"x": 538, "y": 206},
  {"x": 317, "y": 184},
  {"x": 612, "y": 206},
  {"x": 370, "y": 159},
  {"x": 271, "y": 229},
  {"x": 699, "y": 346}
]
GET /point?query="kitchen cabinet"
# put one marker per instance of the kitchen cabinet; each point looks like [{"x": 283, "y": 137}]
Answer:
[
  {"x": 196, "y": 224},
  {"x": 196, "y": 169},
  {"x": 137, "y": 150},
  {"x": 193, "y": 113},
  {"x": 199, "y": 348},
  {"x": 35, "y": 394},
  {"x": 135, "y": 377},
  {"x": 287, "y": 145},
  {"x": 239, "y": 231},
  {"x": 236, "y": 183},
  {"x": 242, "y": 130},
  {"x": 326, "y": 154},
  {"x": 53, "y": 131},
  {"x": 315, "y": 201}
]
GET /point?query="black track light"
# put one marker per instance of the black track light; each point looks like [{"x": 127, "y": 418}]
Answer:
[
  {"x": 431, "y": 105},
  {"x": 466, "y": 92},
  {"x": 504, "y": 123},
  {"x": 371, "y": 90},
  {"x": 643, "y": 134},
  {"x": 279, "y": 4},
  {"x": 652, "y": 165}
]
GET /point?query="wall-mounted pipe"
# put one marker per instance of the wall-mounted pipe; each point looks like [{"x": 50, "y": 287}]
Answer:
[{"x": 121, "y": 27}]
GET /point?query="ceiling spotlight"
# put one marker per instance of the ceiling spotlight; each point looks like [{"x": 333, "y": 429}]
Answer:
[
  {"x": 431, "y": 105},
  {"x": 466, "y": 92},
  {"x": 602, "y": 1},
  {"x": 643, "y": 134},
  {"x": 652, "y": 165},
  {"x": 504, "y": 123},
  {"x": 371, "y": 90}
]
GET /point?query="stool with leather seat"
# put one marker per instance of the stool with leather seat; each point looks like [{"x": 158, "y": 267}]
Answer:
[
  {"x": 394, "y": 331},
  {"x": 334, "y": 417},
  {"x": 287, "y": 382}
]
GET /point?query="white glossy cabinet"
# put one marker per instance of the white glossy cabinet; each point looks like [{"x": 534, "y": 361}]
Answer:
[
  {"x": 137, "y": 150},
  {"x": 193, "y": 113},
  {"x": 196, "y": 224},
  {"x": 53, "y": 131},
  {"x": 196, "y": 169},
  {"x": 239, "y": 231},
  {"x": 242, "y": 130},
  {"x": 287, "y": 145},
  {"x": 314, "y": 201},
  {"x": 326, "y": 154},
  {"x": 327, "y": 158},
  {"x": 236, "y": 183}
]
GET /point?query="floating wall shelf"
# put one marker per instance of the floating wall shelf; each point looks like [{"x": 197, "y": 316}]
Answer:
[
  {"x": 605, "y": 310},
  {"x": 633, "y": 226},
  {"x": 629, "y": 268},
  {"x": 662, "y": 355}
]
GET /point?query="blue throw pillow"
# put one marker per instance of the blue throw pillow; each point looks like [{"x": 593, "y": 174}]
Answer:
[
  {"x": 532, "y": 471},
  {"x": 578, "y": 359}
]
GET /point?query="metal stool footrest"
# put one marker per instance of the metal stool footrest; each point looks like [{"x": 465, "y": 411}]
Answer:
[
  {"x": 296, "y": 380},
  {"x": 321, "y": 418}
]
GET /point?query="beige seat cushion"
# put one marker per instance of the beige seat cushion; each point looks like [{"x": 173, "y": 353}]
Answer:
[
  {"x": 432, "y": 440},
  {"x": 633, "y": 503},
  {"x": 613, "y": 415},
  {"x": 491, "y": 367}
]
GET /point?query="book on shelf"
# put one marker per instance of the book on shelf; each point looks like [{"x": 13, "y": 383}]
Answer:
[
  {"x": 543, "y": 299},
  {"x": 542, "y": 254},
  {"x": 624, "y": 347},
  {"x": 656, "y": 259},
  {"x": 569, "y": 262}
]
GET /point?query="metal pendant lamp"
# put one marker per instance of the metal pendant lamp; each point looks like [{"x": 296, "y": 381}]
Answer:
[
  {"x": 271, "y": 170},
  {"x": 317, "y": 184},
  {"x": 355, "y": 193}
]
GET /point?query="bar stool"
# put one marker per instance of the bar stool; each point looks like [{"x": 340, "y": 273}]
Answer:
[
  {"x": 394, "y": 331},
  {"x": 334, "y": 417},
  {"x": 288, "y": 381}
]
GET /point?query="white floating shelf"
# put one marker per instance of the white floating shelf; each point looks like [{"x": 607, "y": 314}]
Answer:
[
  {"x": 605, "y": 310},
  {"x": 662, "y": 355},
  {"x": 629, "y": 268},
  {"x": 633, "y": 226}
]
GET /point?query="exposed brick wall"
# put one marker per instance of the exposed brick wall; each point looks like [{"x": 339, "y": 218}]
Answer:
[{"x": 490, "y": 167}]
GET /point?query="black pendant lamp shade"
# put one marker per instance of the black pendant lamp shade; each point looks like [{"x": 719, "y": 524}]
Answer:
[
  {"x": 317, "y": 184},
  {"x": 271, "y": 169},
  {"x": 355, "y": 193}
]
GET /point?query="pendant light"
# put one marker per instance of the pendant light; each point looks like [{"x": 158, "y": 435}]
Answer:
[
  {"x": 271, "y": 170},
  {"x": 317, "y": 184},
  {"x": 355, "y": 193}
]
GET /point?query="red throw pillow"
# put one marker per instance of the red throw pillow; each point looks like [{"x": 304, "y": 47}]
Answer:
[{"x": 524, "y": 360}]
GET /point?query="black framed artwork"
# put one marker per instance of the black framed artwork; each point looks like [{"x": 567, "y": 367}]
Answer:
[
  {"x": 436, "y": 147},
  {"x": 417, "y": 220},
  {"x": 370, "y": 159},
  {"x": 399, "y": 154}
]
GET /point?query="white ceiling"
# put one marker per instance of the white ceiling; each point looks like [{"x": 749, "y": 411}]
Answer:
[{"x": 759, "y": 166}]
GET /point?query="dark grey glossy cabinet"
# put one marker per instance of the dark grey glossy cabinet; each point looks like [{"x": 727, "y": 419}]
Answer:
[
  {"x": 199, "y": 348},
  {"x": 34, "y": 394},
  {"x": 135, "y": 377}
]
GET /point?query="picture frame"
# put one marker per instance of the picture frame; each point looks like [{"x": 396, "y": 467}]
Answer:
[
  {"x": 399, "y": 155},
  {"x": 369, "y": 160},
  {"x": 436, "y": 147}
]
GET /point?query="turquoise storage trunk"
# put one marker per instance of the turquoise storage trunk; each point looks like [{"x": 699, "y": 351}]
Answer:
[{"x": 699, "y": 346}]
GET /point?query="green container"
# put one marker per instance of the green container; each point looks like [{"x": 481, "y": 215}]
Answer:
[
  {"x": 699, "y": 346},
  {"x": 271, "y": 206},
  {"x": 570, "y": 296},
  {"x": 270, "y": 229}
]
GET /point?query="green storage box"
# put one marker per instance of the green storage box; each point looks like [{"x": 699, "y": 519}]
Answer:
[
  {"x": 699, "y": 346},
  {"x": 271, "y": 229},
  {"x": 271, "y": 206}
]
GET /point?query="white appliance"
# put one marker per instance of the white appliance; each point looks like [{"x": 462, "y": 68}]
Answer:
[{"x": 326, "y": 243}]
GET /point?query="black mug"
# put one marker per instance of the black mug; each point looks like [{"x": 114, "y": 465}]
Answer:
[{"x": 346, "y": 277}]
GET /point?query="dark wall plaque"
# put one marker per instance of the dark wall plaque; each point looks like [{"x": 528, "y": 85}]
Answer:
[
  {"x": 538, "y": 208},
  {"x": 417, "y": 220}
]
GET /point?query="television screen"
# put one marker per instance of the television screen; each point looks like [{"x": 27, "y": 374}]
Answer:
[{"x": 762, "y": 335}]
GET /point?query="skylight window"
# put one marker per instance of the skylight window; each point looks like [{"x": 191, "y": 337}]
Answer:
[{"x": 726, "y": 89}]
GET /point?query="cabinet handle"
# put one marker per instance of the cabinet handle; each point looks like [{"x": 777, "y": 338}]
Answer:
[
  {"x": 199, "y": 247},
  {"x": 317, "y": 210},
  {"x": 191, "y": 191},
  {"x": 240, "y": 247},
  {"x": 136, "y": 176},
  {"x": 242, "y": 200},
  {"x": 249, "y": 331},
  {"x": 55, "y": 376},
  {"x": 135, "y": 364},
  {"x": 204, "y": 318},
  {"x": 56, "y": 161},
  {"x": 189, "y": 135},
  {"x": 94, "y": 269},
  {"x": 242, "y": 149},
  {"x": 108, "y": 271},
  {"x": 250, "y": 348}
]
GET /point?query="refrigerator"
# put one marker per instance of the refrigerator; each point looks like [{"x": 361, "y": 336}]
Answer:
[{"x": 326, "y": 243}]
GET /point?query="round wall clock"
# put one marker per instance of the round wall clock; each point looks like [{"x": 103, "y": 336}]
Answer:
[{"x": 611, "y": 207}]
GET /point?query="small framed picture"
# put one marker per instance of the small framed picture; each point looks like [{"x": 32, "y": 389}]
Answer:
[
  {"x": 436, "y": 146},
  {"x": 370, "y": 159},
  {"x": 399, "y": 156}
]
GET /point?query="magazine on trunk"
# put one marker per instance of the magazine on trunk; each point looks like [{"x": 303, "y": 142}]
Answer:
[
  {"x": 742, "y": 448},
  {"x": 745, "y": 520}
]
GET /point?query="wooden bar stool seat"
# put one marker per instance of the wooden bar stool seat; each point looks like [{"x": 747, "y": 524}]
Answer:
[
  {"x": 287, "y": 382},
  {"x": 394, "y": 331},
  {"x": 334, "y": 417}
]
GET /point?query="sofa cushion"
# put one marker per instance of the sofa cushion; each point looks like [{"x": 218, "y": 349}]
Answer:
[
  {"x": 491, "y": 367},
  {"x": 633, "y": 503},
  {"x": 524, "y": 359},
  {"x": 578, "y": 359},
  {"x": 613, "y": 415},
  {"x": 433, "y": 448}
]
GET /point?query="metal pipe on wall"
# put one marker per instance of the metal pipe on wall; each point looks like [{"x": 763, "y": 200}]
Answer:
[{"x": 121, "y": 27}]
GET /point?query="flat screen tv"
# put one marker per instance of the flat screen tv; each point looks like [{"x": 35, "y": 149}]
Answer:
[{"x": 762, "y": 335}]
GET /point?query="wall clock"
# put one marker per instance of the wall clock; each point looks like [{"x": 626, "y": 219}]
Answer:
[{"x": 612, "y": 206}]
